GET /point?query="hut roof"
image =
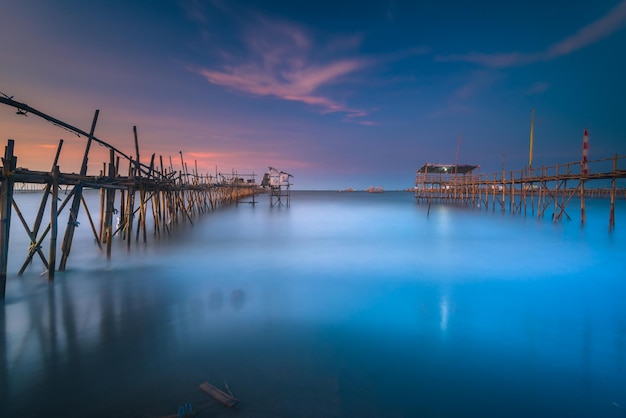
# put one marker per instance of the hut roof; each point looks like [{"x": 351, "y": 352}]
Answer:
[{"x": 447, "y": 168}]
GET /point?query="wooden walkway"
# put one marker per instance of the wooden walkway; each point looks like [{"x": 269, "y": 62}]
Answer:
[
  {"x": 534, "y": 190},
  {"x": 153, "y": 197}
]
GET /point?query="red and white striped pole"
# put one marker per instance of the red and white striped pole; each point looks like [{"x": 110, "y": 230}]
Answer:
[{"x": 584, "y": 168}]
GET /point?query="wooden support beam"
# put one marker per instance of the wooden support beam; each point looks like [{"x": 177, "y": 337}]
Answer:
[
  {"x": 137, "y": 161},
  {"x": 39, "y": 216},
  {"x": 612, "y": 209},
  {"x": 130, "y": 212},
  {"x": 53, "y": 223},
  {"x": 110, "y": 202},
  {"x": 93, "y": 227},
  {"x": 72, "y": 222},
  {"x": 9, "y": 163},
  {"x": 31, "y": 251},
  {"x": 31, "y": 235}
]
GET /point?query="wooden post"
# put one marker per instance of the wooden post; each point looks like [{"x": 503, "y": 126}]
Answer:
[
  {"x": 141, "y": 221},
  {"x": 33, "y": 240},
  {"x": 532, "y": 194},
  {"x": 53, "y": 223},
  {"x": 612, "y": 212},
  {"x": 486, "y": 192},
  {"x": 583, "y": 212},
  {"x": 564, "y": 199},
  {"x": 524, "y": 188},
  {"x": 137, "y": 161},
  {"x": 110, "y": 202},
  {"x": 556, "y": 194},
  {"x": 512, "y": 192},
  {"x": 503, "y": 190},
  {"x": 101, "y": 230},
  {"x": 9, "y": 162},
  {"x": 151, "y": 169},
  {"x": 154, "y": 203},
  {"x": 93, "y": 227},
  {"x": 542, "y": 193},
  {"x": 34, "y": 247},
  {"x": 72, "y": 222},
  {"x": 493, "y": 192},
  {"x": 130, "y": 207}
]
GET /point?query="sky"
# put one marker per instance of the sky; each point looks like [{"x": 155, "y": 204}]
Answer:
[{"x": 338, "y": 93}]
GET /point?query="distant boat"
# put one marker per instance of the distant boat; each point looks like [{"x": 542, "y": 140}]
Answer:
[{"x": 374, "y": 189}]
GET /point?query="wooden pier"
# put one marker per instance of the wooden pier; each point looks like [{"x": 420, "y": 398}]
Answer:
[
  {"x": 153, "y": 197},
  {"x": 530, "y": 190}
]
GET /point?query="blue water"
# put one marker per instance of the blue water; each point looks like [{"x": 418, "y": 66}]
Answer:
[{"x": 341, "y": 305}]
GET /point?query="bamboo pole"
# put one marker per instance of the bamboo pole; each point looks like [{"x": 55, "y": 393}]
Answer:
[
  {"x": 9, "y": 163},
  {"x": 493, "y": 193},
  {"x": 53, "y": 223},
  {"x": 486, "y": 192},
  {"x": 503, "y": 203},
  {"x": 612, "y": 210},
  {"x": 40, "y": 213},
  {"x": 110, "y": 206},
  {"x": 556, "y": 191},
  {"x": 130, "y": 210},
  {"x": 540, "y": 196},
  {"x": 72, "y": 222},
  {"x": 532, "y": 194},
  {"x": 33, "y": 238},
  {"x": 93, "y": 227},
  {"x": 31, "y": 251},
  {"x": 141, "y": 222},
  {"x": 512, "y": 192},
  {"x": 583, "y": 212},
  {"x": 101, "y": 230},
  {"x": 138, "y": 160}
]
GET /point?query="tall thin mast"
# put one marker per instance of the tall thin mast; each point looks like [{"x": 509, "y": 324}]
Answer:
[{"x": 532, "y": 134}]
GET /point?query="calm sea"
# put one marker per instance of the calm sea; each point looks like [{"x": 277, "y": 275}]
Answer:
[{"x": 341, "y": 305}]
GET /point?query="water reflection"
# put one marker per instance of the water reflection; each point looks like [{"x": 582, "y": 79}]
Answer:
[
  {"x": 325, "y": 324},
  {"x": 444, "y": 311},
  {"x": 4, "y": 381},
  {"x": 237, "y": 299},
  {"x": 216, "y": 300}
]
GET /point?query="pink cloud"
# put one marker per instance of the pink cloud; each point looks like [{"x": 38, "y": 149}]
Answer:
[
  {"x": 588, "y": 35},
  {"x": 204, "y": 155},
  {"x": 278, "y": 63}
]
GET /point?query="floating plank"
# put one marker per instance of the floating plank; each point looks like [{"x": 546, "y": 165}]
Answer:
[{"x": 221, "y": 396}]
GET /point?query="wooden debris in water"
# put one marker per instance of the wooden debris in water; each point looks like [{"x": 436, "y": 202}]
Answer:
[{"x": 226, "y": 398}]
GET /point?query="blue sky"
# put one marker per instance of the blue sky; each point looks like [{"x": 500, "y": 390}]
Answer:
[{"x": 340, "y": 94}]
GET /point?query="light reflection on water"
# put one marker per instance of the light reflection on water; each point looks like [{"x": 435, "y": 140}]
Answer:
[{"x": 348, "y": 304}]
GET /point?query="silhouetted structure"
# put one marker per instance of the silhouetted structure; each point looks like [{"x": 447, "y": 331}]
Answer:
[
  {"x": 173, "y": 197},
  {"x": 534, "y": 189},
  {"x": 279, "y": 185}
]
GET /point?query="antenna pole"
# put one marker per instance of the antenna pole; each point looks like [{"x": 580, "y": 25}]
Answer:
[{"x": 532, "y": 134}]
